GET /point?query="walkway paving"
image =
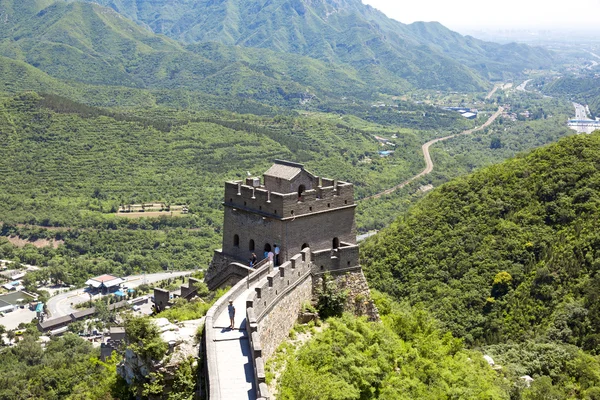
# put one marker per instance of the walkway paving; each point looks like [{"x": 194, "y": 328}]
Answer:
[{"x": 234, "y": 363}]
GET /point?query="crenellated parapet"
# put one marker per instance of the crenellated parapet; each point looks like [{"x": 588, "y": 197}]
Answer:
[
  {"x": 258, "y": 199},
  {"x": 338, "y": 260},
  {"x": 279, "y": 282}
]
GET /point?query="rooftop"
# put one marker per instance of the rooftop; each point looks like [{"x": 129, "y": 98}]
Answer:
[
  {"x": 283, "y": 171},
  {"x": 104, "y": 278}
]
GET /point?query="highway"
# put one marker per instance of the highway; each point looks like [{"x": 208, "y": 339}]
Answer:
[
  {"x": 580, "y": 111},
  {"x": 427, "y": 156},
  {"x": 62, "y": 304}
]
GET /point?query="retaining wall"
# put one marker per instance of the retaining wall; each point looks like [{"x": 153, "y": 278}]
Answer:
[{"x": 272, "y": 311}]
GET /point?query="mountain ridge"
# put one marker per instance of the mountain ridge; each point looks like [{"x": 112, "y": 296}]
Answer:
[{"x": 343, "y": 31}]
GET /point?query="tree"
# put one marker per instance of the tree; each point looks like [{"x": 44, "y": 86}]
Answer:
[
  {"x": 501, "y": 284},
  {"x": 496, "y": 143},
  {"x": 331, "y": 298},
  {"x": 29, "y": 350},
  {"x": 10, "y": 335},
  {"x": 76, "y": 327}
]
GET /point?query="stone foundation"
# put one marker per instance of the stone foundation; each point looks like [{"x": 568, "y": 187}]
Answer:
[{"x": 359, "y": 301}]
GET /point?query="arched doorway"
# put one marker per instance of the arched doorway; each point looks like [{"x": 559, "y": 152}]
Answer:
[
  {"x": 304, "y": 246},
  {"x": 267, "y": 247},
  {"x": 301, "y": 190},
  {"x": 336, "y": 243},
  {"x": 236, "y": 240},
  {"x": 251, "y": 245}
]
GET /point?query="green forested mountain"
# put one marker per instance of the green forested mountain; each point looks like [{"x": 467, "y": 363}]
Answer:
[
  {"x": 583, "y": 89},
  {"x": 87, "y": 43},
  {"x": 344, "y": 31},
  {"x": 59, "y": 158},
  {"x": 510, "y": 253}
]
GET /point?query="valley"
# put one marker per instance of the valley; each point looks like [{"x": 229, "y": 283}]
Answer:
[{"x": 121, "y": 120}]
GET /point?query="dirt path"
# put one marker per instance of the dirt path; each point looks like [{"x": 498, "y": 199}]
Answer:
[{"x": 427, "y": 156}]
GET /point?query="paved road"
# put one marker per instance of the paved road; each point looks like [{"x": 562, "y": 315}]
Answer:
[
  {"x": 427, "y": 156},
  {"x": 62, "y": 304},
  {"x": 521, "y": 87},
  {"x": 580, "y": 111},
  {"x": 593, "y": 54},
  {"x": 496, "y": 87}
]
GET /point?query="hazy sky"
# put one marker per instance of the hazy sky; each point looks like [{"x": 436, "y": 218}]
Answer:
[{"x": 494, "y": 14}]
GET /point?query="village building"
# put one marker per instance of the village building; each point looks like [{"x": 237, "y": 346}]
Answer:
[{"x": 105, "y": 283}]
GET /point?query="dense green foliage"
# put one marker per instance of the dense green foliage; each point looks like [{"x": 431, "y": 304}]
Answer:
[
  {"x": 406, "y": 357},
  {"x": 121, "y": 252},
  {"x": 59, "y": 157},
  {"x": 144, "y": 338},
  {"x": 534, "y": 218},
  {"x": 560, "y": 371},
  {"x": 465, "y": 154},
  {"x": 67, "y": 368}
]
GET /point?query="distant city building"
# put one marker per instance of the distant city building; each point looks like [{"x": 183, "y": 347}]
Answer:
[{"x": 469, "y": 113}]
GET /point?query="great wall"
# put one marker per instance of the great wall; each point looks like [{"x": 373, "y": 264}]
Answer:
[{"x": 311, "y": 221}]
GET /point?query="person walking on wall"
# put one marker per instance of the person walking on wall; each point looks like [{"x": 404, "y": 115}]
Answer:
[
  {"x": 277, "y": 255},
  {"x": 253, "y": 260},
  {"x": 231, "y": 310}
]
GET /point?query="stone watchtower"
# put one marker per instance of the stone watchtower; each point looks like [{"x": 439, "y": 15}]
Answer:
[{"x": 290, "y": 208}]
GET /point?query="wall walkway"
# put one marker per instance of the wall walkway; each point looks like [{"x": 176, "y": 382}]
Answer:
[{"x": 267, "y": 303}]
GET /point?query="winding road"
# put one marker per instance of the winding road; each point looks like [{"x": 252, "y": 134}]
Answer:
[
  {"x": 63, "y": 304},
  {"x": 427, "y": 156}
]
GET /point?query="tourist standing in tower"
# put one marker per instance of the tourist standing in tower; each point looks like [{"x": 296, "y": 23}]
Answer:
[{"x": 277, "y": 255}]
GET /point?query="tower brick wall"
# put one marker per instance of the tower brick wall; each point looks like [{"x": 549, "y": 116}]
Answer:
[{"x": 314, "y": 212}]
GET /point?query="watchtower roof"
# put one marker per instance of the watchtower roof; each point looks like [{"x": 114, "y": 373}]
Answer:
[{"x": 285, "y": 170}]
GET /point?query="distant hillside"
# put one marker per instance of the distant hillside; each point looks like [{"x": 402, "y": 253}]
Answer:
[
  {"x": 511, "y": 252},
  {"x": 60, "y": 159},
  {"x": 91, "y": 44},
  {"x": 427, "y": 55},
  {"x": 584, "y": 89}
]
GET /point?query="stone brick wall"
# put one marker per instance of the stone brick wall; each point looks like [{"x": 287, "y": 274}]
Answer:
[
  {"x": 212, "y": 375},
  {"x": 225, "y": 271},
  {"x": 317, "y": 230},
  {"x": 255, "y": 217},
  {"x": 278, "y": 299}
]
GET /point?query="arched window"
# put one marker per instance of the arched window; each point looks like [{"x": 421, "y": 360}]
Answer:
[
  {"x": 236, "y": 240},
  {"x": 301, "y": 190},
  {"x": 251, "y": 245},
  {"x": 304, "y": 245},
  {"x": 336, "y": 243}
]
